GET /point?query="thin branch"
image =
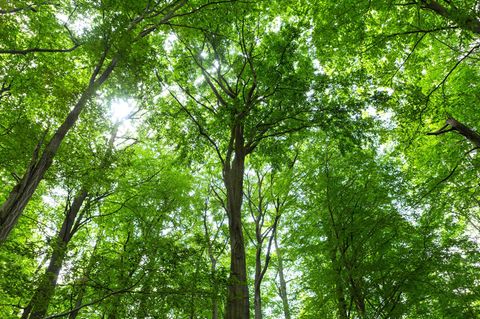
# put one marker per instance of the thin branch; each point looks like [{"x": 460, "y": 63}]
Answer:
[
  {"x": 200, "y": 128},
  {"x": 442, "y": 130},
  {"x": 254, "y": 142},
  {"x": 207, "y": 75},
  {"x": 269, "y": 247},
  {"x": 116, "y": 292},
  {"x": 423, "y": 31},
  {"x": 453, "y": 69},
  {"x": 168, "y": 16},
  {"x": 207, "y": 5},
  {"x": 220, "y": 199},
  {"x": 210, "y": 109},
  {"x": 35, "y": 50},
  {"x": 408, "y": 56},
  {"x": 32, "y": 7}
]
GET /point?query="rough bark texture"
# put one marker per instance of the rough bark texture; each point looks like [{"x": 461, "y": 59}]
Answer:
[
  {"x": 454, "y": 125},
  {"x": 465, "y": 20},
  {"x": 468, "y": 133},
  {"x": 237, "y": 291},
  {"x": 38, "y": 306},
  {"x": 21, "y": 193},
  {"x": 283, "y": 283}
]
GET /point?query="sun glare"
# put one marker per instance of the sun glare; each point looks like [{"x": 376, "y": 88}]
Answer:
[{"x": 120, "y": 109}]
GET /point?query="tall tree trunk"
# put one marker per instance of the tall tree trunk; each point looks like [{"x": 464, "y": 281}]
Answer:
[
  {"x": 213, "y": 263},
  {"x": 454, "y": 125},
  {"x": 237, "y": 306},
  {"x": 339, "y": 285},
  {"x": 257, "y": 299},
  {"x": 213, "y": 274},
  {"x": 215, "y": 296},
  {"x": 38, "y": 306},
  {"x": 357, "y": 296},
  {"x": 283, "y": 284},
  {"x": 21, "y": 193},
  {"x": 83, "y": 283}
]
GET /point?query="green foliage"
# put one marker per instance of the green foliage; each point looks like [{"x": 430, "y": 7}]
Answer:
[{"x": 376, "y": 219}]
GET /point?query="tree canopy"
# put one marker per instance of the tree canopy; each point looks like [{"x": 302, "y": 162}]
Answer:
[{"x": 239, "y": 159}]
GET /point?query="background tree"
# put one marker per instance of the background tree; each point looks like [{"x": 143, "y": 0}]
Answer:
[{"x": 330, "y": 145}]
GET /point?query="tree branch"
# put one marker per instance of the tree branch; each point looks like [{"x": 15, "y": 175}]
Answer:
[
  {"x": 35, "y": 50},
  {"x": 201, "y": 129},
  {"x": 32, "y": 7}
]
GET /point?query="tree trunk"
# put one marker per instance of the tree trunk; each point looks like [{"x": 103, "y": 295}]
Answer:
[
  {"x": 339, "y": 286},
  {"x": 215, "y": 304},
  {"x": 83, "y": 285},
  {"x": 464, "y": 19},
  {"x": 38, "y": 306},
  {"x": 21, "y": 193},
  {"x": 283, "y": 283},
  {"x": 213, "y": 266},
  {"x": 461, "y": 128},
  {"x": 257, "y": 301},
  {"x": 357, "y": 297},
  {"x": 467, "y": 132},
  {"x": 237, "y": 306},
  {"x": 215, "y": 286}
]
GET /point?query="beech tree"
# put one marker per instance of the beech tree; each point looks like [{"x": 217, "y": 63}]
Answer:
[
  {"x": 108, "y": 59},
  {"x": 282, "y": 159}
]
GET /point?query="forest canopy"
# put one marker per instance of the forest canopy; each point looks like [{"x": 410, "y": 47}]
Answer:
[{"x": 239, "y": 159}]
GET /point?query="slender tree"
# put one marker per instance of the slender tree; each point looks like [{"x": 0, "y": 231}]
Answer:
[
  {"x": 73, "y": 220},
  {"x": 41, "y": 160}
]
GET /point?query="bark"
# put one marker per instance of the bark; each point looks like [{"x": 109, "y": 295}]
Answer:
[
  {"x": 454, "y": 125},
  {"x": 257, "y": 292},
  {"x": 213, "y": 269},
  {"x": 463, "y": 19},
  {"x": 259, "y": 218},
  {"x": 357, "y": 296},
  {"x": 339, "y": 286},
  {"x": 215, "y": 292},
  {"x": 38, "y": 306},
  {"x": 21, "y": 193},
  {"x": 36, "y": 50},
  {"x": 83, "y": 285},
  {"x": 237, "y": 291},
  {"x": 468, "y": 133},
  {"x": 260, "y": 269},
  {"x": 283, "y": 282}
]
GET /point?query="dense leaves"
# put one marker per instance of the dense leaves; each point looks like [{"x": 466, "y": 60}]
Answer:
[{"x": 267, "y": 159}]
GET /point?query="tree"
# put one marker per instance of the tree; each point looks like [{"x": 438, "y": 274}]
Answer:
[
  {"x": 21, "y": 193},
  {"x": 296, "y": 159},
  {"x": 73, "y": 220}
]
